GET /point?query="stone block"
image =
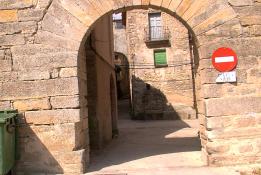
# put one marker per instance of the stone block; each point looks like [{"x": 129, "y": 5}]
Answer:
[
  {"x": 43, "y": 4},
  {"x": 233, "y": 105},
  {"x": 231, "y": 28},
  {"x": 165, "y": 3},
  {"x": 30, "y": 15},
  {"x": 240, "y": 2},
  {"x": 51, "y": 148},
  {"x": 193, "y": 9},
  {"x": 229, "y": 90},
  {"x": 174, "y": 5},
  {"x": 8, "y": 15},
  {"x": 49, "y": 117},
  {"x": 253, "y": 75},
  {"x": 39, "y": 89},
  {"x": 246, "y": 148},
  {"x": 54, "y": 22},
  {"x": 40, "y": 62},
  {"x": 225, "y": 160},
  {"x": 229, "y": 133},
  {"x": 234, "y": 121},
  {"x": 9, "y": 40},
  {"x": 136, "y": 2},
  {"x": 242, "y": 147},
  {"x": 249, "y": 31},
  {"x": 68, "y": 72},
  {"x": 15, "y": 4},
  {"x": 2, "y": 55},
  {"x": 43, "y": 37},
  {"x": 32, "y": 104},
  {"x": 8, "y": 76},
  {"x": 5, "y": 105},
  {"x": 31, "y": 57},
  {"x": 201, "y": 107},
  {"x": 156, "y": 2},
  {"x": 247, "y": 62},
  {"x": 205, "y": 10},
  {"x": 246, "y": 121},
  {"x": 217, "y": 148},
  {"x": 183, "y": 7},
  {"x": 72, "y": 157},
  {"x": 251, "y": 20},
  {"x": 18, "y": 27},
  {"x": 63, "y": 102},
  {"x": 85, "y": 12},
  {"x": 74, "y": 168},
  {"x": 145, "y": 2},
  {"x": 6, "y": 65},
  {"x": 222, "y": 16},
  {"x": 34, "y": 75},
  {"x": 36, "y": 49}
]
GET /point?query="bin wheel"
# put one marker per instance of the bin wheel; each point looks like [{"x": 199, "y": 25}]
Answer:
[{"x": 10, "y": 128}]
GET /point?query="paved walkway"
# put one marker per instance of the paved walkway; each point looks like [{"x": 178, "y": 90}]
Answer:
[{"x": 153, "y": 148}]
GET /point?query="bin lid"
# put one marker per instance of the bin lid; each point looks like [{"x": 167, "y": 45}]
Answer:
[{"x": 7, "y": 114}]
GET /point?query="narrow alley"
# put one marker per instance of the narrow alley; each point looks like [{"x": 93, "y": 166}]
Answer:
[{"x": 153, "y": 147}]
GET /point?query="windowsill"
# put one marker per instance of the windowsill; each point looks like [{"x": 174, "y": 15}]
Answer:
[
  {"x": 161, "y": 66},
  {"x": 158, "y": 43}
]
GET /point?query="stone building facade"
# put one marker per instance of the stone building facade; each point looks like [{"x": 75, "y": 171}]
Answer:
[
  {"x": 38, "y": 36},
  {"x": 171, "y": 86},
  {"x": 55, "y": 105}
]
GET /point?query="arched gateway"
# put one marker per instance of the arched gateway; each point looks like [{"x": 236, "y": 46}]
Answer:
[{"x": 41, "y": 43}]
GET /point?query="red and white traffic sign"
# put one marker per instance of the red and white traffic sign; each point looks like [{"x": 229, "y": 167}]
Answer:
[{"x": 224, "y": 59}]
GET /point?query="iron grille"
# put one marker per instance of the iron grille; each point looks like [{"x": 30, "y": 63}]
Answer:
[{"x": 160, "y": 33}]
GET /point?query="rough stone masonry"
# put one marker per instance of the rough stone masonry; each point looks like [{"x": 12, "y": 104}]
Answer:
[
  {"x": 41, "y": 76},
  {"x": 171, "y": 95}
]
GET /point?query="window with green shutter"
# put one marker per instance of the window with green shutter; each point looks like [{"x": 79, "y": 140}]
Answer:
[{"x": 160, "y": 58}]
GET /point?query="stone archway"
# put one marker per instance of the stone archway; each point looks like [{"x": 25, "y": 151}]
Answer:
[{"x": 42, "y": 58}]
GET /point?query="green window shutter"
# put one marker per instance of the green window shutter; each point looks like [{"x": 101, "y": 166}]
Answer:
[{"x": 160, "y": 58}]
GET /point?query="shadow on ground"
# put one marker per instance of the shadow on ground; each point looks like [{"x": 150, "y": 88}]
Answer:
[{"x": 146, "y": 138}]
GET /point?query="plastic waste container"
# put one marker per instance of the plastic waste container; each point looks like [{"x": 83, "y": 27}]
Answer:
[{"x": 7, "y": 140}]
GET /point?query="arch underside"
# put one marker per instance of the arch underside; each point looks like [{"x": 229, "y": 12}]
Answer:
[{"x": 203, "y": 18}]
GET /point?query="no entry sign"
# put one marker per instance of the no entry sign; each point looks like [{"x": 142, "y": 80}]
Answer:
[{"x": 224, "y": 59}]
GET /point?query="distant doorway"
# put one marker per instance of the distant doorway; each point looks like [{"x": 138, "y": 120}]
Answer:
[{"x": 122, "y": 76}]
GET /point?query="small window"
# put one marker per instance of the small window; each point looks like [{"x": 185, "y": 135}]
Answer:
[
  {"x": 155, "y": 26},
  {"x": 160, "y": 58}
]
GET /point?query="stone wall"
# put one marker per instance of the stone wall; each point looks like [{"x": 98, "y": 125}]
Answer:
[
  {"x": 39, "y": 52},
  {"x": 231, "y": 128},
  {"x": 100, "y": 73},
  {"x": 46, "y": 80},
  {"x": 41, "y": 81},
  {"x": 102, "y": 42},
  {"x": 120, "y": 40},
  {"x": 172, "y": 94}
]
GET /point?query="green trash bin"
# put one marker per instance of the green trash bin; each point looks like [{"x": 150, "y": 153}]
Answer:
[{"x": 7, "y": 140}]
